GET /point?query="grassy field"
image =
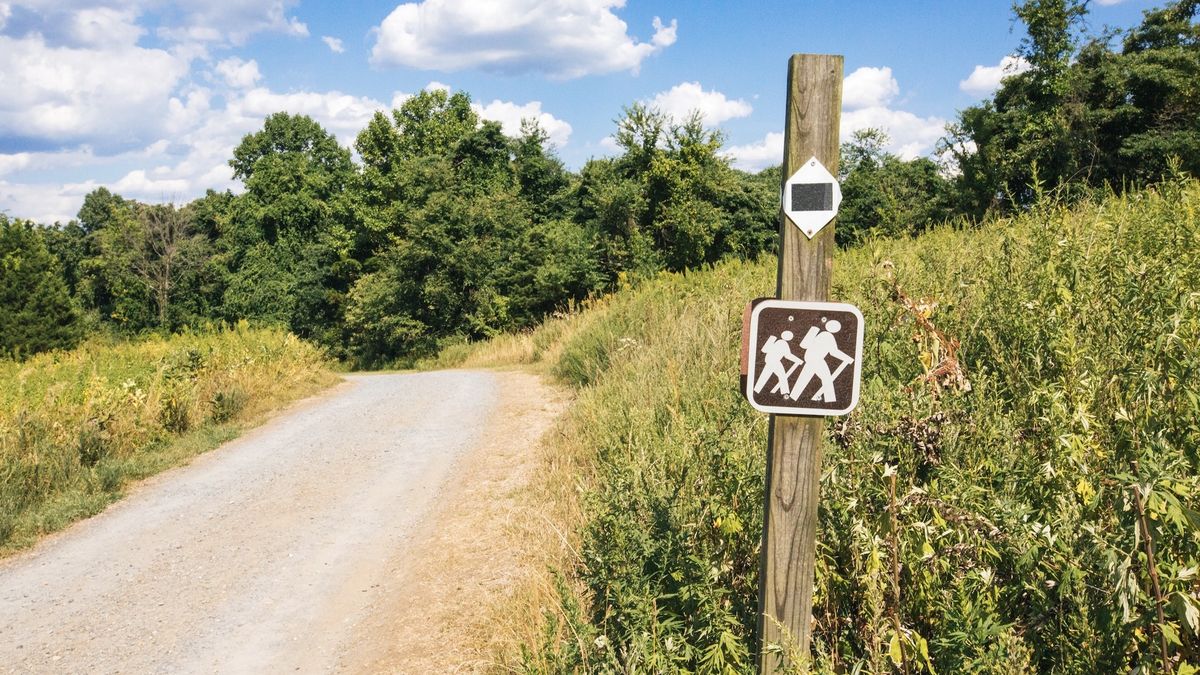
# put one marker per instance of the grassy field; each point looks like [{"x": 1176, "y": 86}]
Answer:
[
  {"x": 77, "y": 427},
  {"x": 1027, "y": 450}
]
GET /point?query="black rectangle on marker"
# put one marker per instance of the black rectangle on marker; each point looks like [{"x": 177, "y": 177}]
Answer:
[{"x": 812, "y": 196}]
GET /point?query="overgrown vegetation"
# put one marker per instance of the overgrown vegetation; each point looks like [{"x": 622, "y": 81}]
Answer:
[
  {"x": 77, "y": 426},
  {"x": 1016, "y": 492}
]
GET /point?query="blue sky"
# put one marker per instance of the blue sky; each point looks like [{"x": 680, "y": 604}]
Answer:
[{"x": 149, "y": 97}]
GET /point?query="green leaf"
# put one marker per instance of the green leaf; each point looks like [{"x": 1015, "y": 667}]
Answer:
[
  {"x": 1172, "y": 635},
  {"x": 895, "y": 651}
]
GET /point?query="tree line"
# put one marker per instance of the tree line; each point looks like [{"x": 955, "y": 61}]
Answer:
[{"x": 446, "y": 229}]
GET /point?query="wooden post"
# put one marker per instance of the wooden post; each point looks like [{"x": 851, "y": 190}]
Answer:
[{"x": 814, "y": 101}]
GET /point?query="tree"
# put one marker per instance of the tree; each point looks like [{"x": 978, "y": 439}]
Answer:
[
  {"x": 36, "y": 313},
  {"x": 292, "y": 230},
  {"x": 671, "y": 200},
  {"x": 427, "y": 129},
  {"x": 294, "y": 172},
  {"x": 433, "y": 122},
  {"x": 1084, "y": 116},
  {"x": 146, "y": 261},
  {"x": 883, "y": 195},
  {"x": 165, "y": 248},
  {"x": 100, "y": 208},
  {"x": 542, "y": 180}
]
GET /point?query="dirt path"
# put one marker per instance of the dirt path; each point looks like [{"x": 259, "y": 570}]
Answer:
[{"x": 360, "y": 531}]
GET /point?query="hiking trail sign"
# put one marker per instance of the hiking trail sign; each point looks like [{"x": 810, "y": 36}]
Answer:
[
  {"x": 811, "y": 197},
  {"x": 805, "y": 358}
]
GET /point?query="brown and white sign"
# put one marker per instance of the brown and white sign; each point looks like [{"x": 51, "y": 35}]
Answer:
[{"x": 804, "y": 358}]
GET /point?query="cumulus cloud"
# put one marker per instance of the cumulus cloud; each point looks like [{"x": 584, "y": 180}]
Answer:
[
  {"x": 192, "y": 155},
  {"x": 334, "y": 44},
  {"x": 912, "y": 136},
  {"x": 112, "y": 97},
  {"x": 162, "y": 188},
  {"x": 231, "y": 21},
  {"x": 868, "y": 87},
  {"x": 101, "y": 26},
  {"x": 986, "y": 79},
  {"x": 757, "y": 156},
  {"x": 14, "y": 162},
  {"x": 510, "y": 115},
  {"x": 81, "y": 97},
  {"x": 341, "y": 114},
  {"x": 563, "y": 40},
  {"x": 679, "y": 102},
  {"x": 221, "y": 22},
  {"x": 43, "y": 202},
  {"x": 239, "y": 74},
  {"x": 867, "y": 95}
]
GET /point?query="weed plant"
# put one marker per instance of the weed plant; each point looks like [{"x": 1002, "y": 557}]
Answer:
[
  {"x": 77, "y": 426},
  {"x": 1018, "y": 490}
]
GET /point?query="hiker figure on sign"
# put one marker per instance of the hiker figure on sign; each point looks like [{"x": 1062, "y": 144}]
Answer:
[
  {"x": 802, "y": 357},
  {"x": 818, "y": 345},
  {"x": 775, "y": 351}
]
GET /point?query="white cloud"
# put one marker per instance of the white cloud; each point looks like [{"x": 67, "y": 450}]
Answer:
[
  {"x": 866, "y": 95},
  {"x": 438, "y": 86},
  {"x": 334, "y": 44},
  {"x": 755, "y": 157},
  {"x": 231, "y": 21},
  {"x": 81, "y": 98},
  {"x": 239, "y": 74},
  {"x": 209, "y": 22},
  {"x": 192, "y": 157},
  {"x": 341, "y": 114},
  {"x": 986, "y": 79},
  {"x": 98, "y": 27},
  {"x": 679, "y": 102},
  {"x": 867, "y": 87},
  {"x": 43, "y": 202},
  {"x": 912, "y": 136},
  {"x": 609, "y": 145},
  {"x": 111, "y": 97},
  {"x": 14, "y": 162},
  {"x": 136, "y": 182},
  {"x": 509, "y": 115},
  {"x": 563, "y": 39}
]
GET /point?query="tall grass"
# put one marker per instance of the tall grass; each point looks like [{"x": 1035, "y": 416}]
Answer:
[
  {"x": 1027, "y": 449},
  {"x": 77, "y": 426}
]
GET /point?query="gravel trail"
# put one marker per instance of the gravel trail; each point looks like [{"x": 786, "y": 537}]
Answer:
[{"x": 261, "y": 556}]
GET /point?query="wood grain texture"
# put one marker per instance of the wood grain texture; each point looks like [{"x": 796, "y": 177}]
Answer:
[{"x": 813, "y": 116}]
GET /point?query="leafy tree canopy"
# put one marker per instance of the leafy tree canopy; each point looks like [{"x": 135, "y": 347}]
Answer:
[{"x": 36, "y": 314}]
